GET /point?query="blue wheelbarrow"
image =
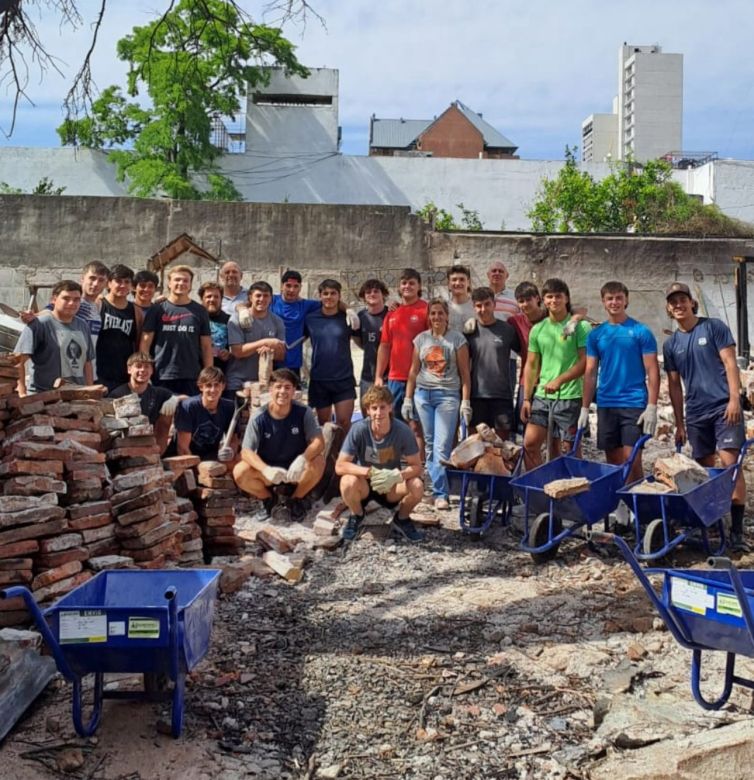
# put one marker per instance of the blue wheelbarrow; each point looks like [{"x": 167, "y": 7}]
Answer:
[
  {"x": 483, "y": 497},
  {"x": 669, "y": 519},
  {"x": 704, "y": 611},
  {"x": 157, "y": 623},
  {"x": 559, "y": 519}
]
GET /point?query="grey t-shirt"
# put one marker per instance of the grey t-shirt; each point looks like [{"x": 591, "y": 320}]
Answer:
[
  {"x": 437, "y": 355},
  {"x": 57, "y": 349},
  {"x": 386, "y": 453},
  {"x": 458, "y": 313},
  {"x": 490, "y": 352},
  {"x": 246, "y": 369}
]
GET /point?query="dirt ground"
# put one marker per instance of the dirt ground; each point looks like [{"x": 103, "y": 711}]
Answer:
[{"x": 454, "y": 658}]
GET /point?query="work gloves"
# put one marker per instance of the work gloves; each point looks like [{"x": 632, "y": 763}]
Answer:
[
  {"x": 648, "y": 419},
  {"x": 224, "y": 454},
  {"x": 466, "y": 412},
  {"x": 244, "y": 317},
  {"x": 469, "y": 326},
  {"x": 383, "y": 480},
  {"x": 170, "y": 405},
  {"x": 583, "y": 418},
  {"x": 354, "y": 323},
  {"x": 296, "y": 469},
  {"x": 407, "y": 409},
  {"x": 274, "y": 475}
]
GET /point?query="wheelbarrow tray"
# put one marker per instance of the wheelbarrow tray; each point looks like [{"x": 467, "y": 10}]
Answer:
[
  {"x": 704, "y": 505},
  {"x": 118, "y": 621},
  {"x": 496, "y": 486},
  {"x": 588, "y": 507}
]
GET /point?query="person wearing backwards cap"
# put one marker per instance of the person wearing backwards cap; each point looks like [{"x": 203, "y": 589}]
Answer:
[{"x": 702, "y": 352}]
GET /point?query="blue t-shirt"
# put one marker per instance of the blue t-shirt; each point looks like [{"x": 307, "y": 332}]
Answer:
[
  {"x": 331, "y": 346},
  {"x": 696, "y": 357},
  {"x": 206, "y": 429},
  {"x": 293, "y": 314},
  {"x": 620, "y": 350}
]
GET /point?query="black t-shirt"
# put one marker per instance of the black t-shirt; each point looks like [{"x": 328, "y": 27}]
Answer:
[
  {"x": 116, "y": 341},
  {"x": 177, "y": 329},
  {"x": 206, "y": 428},
  {"x": 371, "y": 326},
  {"x": 151, "y": 399}
]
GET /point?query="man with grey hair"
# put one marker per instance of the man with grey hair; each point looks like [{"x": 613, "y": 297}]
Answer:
[
  {"x": 233, "y": 293},
  {"x": 505, "y": 302}
]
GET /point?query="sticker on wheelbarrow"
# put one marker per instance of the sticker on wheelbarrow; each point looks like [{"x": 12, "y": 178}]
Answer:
[
  {"x": 82, "y": 626},
  {"x": 691, "y": 596},
  {"x": 143, "y": 628},
  {"x": 728, "y": 605}
]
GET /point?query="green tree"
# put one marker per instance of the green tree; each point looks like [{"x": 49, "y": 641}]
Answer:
[
  {"x": 632, "y": 198},
  {"x": 193, "y": 64},
  {"x": 440, "y": 219}
]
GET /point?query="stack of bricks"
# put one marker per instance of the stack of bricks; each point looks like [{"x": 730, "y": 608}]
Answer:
[
  {"x": 184, "y": 481},
  {"x": 143, "y": 500},
  {"x": 214, "y": 500}
]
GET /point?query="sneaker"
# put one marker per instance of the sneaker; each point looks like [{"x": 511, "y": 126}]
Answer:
[
  {"x": 405, "y": 528},
  {"x": 269, "y": 504},
  {"x": 281, "y": 513},
  {"x": 352, "y": 528},
  {"x": 299, "y": 509},
  {"x": 738, "y": 543},
  {"x": 442, "y": 503}
]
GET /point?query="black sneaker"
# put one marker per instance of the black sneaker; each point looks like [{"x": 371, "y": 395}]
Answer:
[
  {"x": 269, "y": 504},
  {"x": 404, "y": 528},
  {"x": 738, "y": 543},
  {"x": 299, "y": 508},
  {"x": 352, "y": 528},
  {"x": 281, "y": 513}
]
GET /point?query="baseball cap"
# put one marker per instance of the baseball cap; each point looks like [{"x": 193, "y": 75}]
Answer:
[{"x": 677, "y": 287}]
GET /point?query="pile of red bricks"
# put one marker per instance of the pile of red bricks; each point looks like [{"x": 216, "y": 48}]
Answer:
[{"x": 214, "y": 500}]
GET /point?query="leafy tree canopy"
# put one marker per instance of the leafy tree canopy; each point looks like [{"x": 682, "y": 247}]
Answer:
[
  {"x": 192, "y": 64},
  {"x": 440, "y": 219},
  {"x": 632, "y": 199}
]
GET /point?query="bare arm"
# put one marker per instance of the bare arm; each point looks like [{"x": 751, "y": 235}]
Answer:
[
  {"x": 590, "y": 381},
  {"x": 413, "y": 468},
  {"x": 162, "y": 431},
  {"x": 531, "y": 375},
  {"x": 206, "y": 346},
  {"x": 253, "y": 347},
  {"x": 733, "y": 410},
  {"x": 412, "y": 374},
  {"x": 147, "y": 339},
  {"x": 183, "y": 442},
  {"x": 383, "y": 359},
  {"x": 251, "y": 458},
  {"x": 652, "y": 367},
  {"x": 675, "y": 390},
  {"x": 315, "y": 447},
  {"x": 88, "y": 373},
  {"x": 463, "y": 363},
  {"x": 345, "y": 465},
  {"x": 21, "y": 369}
]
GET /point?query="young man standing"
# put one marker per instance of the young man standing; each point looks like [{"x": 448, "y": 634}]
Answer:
[
  {"x": 211, "y": 296},
  {"x": 266, "y": 333},
  {"x": 490, "y": 345},
  {"x": 179, "y": 329},
  {"x": 373, "y": 292},
  {"x": 233, "y": 293},
  {"x": 292, "y": 309},
  {"x": 202, "y": 421},
  {"x": 554, "y": 366},
  {"x": 282, "y": 451},
  {"x": 702, "y": 353},
  {"x": 331, "y": 382},
  {"x": 145, "y": 287},
  {"x": 121, "y": 328},
  {"x": 380, "y": 461},
  {"x": 157, "y": 403},
  {"x": 58, "y": 343},
  {"x": 460, "y": 305},
  {"x": 624, "y": 352},
  {"x": 399, "y": 329},
  {"x": 93, "y": 281},
  {"x": 505, "y": 303}
]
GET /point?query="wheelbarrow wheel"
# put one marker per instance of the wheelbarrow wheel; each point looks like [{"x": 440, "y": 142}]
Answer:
[
  {"x": 539, "y": 534},
  {"x": 654, "y": 537},
  {"x": 476, "y": 516}
]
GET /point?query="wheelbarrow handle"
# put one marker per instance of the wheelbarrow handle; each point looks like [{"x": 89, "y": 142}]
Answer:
[
  {"x": 577, "y": 440},
  {"x": 629, "y": 464},
  {"x": 42, "y": 627},
  {"x": 741, "y": 457}
]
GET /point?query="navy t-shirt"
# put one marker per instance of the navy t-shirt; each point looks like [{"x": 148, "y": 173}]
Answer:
[
  {"x": 279, "y": 441},
  {"x": 331, "y": 346},
  {"x": 696, "y": 357},
  {"x": 151, "y": 399},
  {"x": 206, "y": 428},
  {"x": 371, "y": 327}
]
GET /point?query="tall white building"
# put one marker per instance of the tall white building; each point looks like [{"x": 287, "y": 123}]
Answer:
[{"x": 648, "y": 111}]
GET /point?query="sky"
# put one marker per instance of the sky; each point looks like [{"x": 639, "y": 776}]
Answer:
[{"x": 534, "y": 69}]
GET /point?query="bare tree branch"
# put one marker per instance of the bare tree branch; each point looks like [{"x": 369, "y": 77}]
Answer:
[{"x": 81, "y": 93}]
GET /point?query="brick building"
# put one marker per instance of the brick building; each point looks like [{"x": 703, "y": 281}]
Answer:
[{"x": 458, "y": 132}]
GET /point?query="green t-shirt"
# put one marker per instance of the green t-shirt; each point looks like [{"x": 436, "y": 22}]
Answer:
[{"x": 557, "y": 355}]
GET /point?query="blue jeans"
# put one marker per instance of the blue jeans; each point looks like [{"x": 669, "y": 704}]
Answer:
[
  {"x": 398, "y": 389},
  {"x": 438, "y": 412}
]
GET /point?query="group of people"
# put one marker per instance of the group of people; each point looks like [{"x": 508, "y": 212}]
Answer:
[{"x": 426, "y": 366}]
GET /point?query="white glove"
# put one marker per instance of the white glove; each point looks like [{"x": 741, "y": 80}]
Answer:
[
  {"x": 244, "y": 317},
  {"x": 570, "y": 328},
  {"x": 466, "y": 412},
  {"x": 170, "y": 405},
  {"x": 583, "y": 418},
  {"x": 648, "y": 419},
  {"x": 224, "y": 454},
  {"x": 274, "y": 475},
  {"x": 354, "y": 323},
  {"x": 470, "y": 325},
  {"x": 382, "y": 480},
  {"x": 296, "y": 469},
  {"x": 407, "y": 409}
]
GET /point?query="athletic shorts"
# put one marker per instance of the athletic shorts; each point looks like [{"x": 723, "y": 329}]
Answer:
[
  {"x": 496, "y": 412},
  {"x": 380, "y": 498},
  {"x": 617, "y": 427},
  {"x": 565, "y": 416},
  {"x": 711, "y": 434},
  {"x": 324, "y": 393}
]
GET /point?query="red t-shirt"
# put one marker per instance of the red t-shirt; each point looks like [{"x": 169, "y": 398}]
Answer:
[
  {"x": 523, "y": 326},
  {"x": 399, "y": 330}
]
